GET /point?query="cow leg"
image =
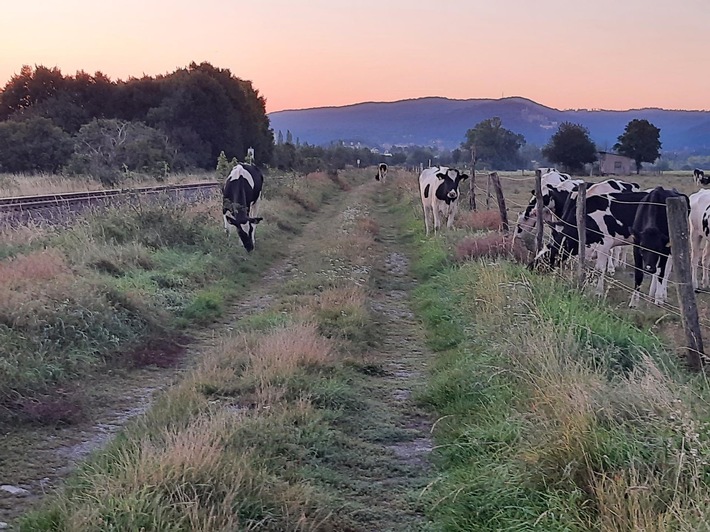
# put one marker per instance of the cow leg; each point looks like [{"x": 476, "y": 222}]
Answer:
[
  {"x": 227, "y": 226},
  {"x": 620, "y": 257},
  {"x": 638, "y": 277},
  {"x": 662, "y": 286},
  {"x": 600, "y": 265},
  {"x": 452, "y": 214},
  {"x": 705, "y": 263},
  {"x": 437, "y": 218},
  {"x": 253, "y": 213},
  {"x": 697, "y": 256},
  {"x": 426, "y": 219}
]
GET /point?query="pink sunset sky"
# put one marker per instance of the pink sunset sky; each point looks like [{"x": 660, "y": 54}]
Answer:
[{"x": 565, "y": 54}]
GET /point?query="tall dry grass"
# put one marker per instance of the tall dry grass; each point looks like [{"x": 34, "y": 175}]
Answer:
[
  {"x": 199, "y": 477},
  {"x": 579, "y": 416}
]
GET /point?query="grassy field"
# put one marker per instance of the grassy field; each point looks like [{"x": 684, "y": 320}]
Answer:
[{"x": 333, "y": 356}]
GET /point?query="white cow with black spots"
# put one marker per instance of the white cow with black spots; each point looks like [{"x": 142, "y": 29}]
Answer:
[
  {"x": 699, "y": 221},
  {"x": 240, "y": 202},
  {"x": 439, "y": 190}
]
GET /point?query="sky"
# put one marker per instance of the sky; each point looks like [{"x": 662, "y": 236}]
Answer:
[{"x": 565, "y": 54}]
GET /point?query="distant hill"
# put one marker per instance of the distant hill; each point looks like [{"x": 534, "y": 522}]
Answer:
[{"x": 443, "y": 122}]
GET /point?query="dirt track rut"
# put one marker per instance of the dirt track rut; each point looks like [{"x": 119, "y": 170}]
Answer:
[{"x": 37, "y": 460}]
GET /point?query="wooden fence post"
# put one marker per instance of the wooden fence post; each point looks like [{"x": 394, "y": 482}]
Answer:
[
  {"x": 472, "y": 182},
  {"x": 488, "y": 192},
  {"x": 493, "y": 178},
  {"x": 582, "y": 232},
  {"x": 679, "y": 233},
  {"x": 539, "y": 227}
]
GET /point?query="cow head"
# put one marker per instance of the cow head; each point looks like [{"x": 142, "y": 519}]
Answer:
[
  {"x": 652, "y": 245},
  {"x": 245, "y": 225},
  {"x": 448, "y": 189}
]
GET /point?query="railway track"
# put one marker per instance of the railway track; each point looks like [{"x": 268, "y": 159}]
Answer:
[
  {"x": 58, "y": 208},
  {"x": 43, "y": 201}
]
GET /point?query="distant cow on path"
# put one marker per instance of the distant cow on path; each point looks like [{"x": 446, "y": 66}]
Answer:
[
  {"x": 439, "y": 190},
  {"x": 240, "y": 202},
  {"x": 381, "y": 174},
  {"x": 700, "y": 178}
]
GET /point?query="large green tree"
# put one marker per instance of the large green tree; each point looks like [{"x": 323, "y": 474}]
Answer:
[
  {"x": 202, "y": 110},
  {"x": 571, "y": 147},
  {"x": 640, "y": 141},
  {"x": 495, "y": 145}
]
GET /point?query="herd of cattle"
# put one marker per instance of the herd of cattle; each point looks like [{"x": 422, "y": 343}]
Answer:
[{"x": 618, "y": 214}]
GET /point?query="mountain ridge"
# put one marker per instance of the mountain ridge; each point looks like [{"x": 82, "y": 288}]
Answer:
[{"x": 443, "y": 122}]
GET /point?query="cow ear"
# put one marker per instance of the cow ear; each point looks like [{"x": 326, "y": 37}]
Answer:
[
  {"x": 441, "y": 176},
  {"x": 256, "y": 220},
  {"x": 463, "y": 176}
]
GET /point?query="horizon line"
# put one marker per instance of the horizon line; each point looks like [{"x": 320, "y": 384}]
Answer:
[{"x": 593, "y": 109}]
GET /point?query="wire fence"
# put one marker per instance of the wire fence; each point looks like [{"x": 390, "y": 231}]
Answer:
[{"x": 606, "y": 253}]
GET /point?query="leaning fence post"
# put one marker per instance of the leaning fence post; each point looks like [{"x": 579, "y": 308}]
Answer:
[
  {"x": 493, "y": 178},
  {"x": 581, "y": 231},
  {"x": 539, "y": 227},
  {"x": 679, "y": 233}
]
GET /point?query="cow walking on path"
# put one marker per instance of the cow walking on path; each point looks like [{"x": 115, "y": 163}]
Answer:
[
  {"x": 381, "y": 174},
  {"x": 240, "y": 202}
]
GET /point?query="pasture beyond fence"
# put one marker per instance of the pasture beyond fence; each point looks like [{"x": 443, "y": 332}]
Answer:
[{"x": 678, "y": 227}]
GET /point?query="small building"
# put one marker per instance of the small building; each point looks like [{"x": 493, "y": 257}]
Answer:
[{"x": 615, "y": 164}]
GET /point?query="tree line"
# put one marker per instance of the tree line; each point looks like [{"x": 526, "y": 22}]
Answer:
[
  {"x": 90, "y": 124},
  {"x": 570, "y": 146},
  {"x": 492, "y": 145}
]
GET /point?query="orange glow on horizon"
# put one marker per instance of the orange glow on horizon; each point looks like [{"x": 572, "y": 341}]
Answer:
[{"x": 318, "y": 53}]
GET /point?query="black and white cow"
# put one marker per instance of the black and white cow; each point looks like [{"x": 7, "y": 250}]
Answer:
[
  {"x": 240, "y": 202},
  {"x": 700, "y": 178},
  {"x": 554, "y": 198},
  {"x": 699, "y": 222},
  {"x": 439, "y": 190},
  {"x": 550, "y": 182},
  {"x": 609, "y": 222},
  {"x": 652, "y": 244},
  {"x": 381, "y": 174}
]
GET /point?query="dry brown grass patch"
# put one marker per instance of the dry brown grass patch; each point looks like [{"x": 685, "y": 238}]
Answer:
[
  {"x": 341, "y": 297},
  {"x": 301, "y": 199},
  {"x": 368, "y": 226},
  {"x": 628, "y": 500},
  {"x": 492, "y": 245},
  {"x": 284, "y": 350},
  {"x": 33, "y": 268},
  {"x": 479, "y": 220}
]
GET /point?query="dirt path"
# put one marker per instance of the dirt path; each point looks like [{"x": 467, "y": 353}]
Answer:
[{"x": 38, "y": 460}]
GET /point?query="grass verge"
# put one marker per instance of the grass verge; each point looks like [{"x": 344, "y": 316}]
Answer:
[{"x": 554, "y": 413}]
